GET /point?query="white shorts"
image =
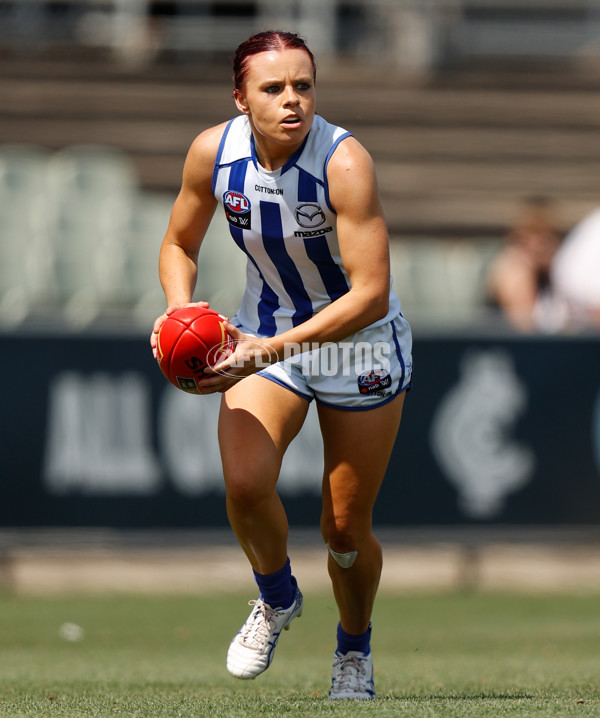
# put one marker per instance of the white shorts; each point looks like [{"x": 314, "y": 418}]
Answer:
[{"x": 360, "y": 372}]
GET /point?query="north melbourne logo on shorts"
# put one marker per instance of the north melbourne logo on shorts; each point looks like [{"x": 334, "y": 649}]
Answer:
[{"x": 375, "y": 382}]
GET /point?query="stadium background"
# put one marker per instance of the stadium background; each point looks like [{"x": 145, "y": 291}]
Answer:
[{"x": 468, "y": 108}]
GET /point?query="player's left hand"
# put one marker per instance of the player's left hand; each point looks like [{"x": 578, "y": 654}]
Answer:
[{"x": 250, "y": 356}]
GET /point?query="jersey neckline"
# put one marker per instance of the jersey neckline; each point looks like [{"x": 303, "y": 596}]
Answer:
[{"x": 275, "y": 174}]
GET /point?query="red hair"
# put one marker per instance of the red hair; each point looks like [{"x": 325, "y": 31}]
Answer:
[{"x": 268, "y": 41}]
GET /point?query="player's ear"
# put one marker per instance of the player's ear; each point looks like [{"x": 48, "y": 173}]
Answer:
[{"x": 240, "y": 101}]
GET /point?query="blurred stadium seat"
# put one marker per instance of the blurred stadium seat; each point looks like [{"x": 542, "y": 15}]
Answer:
[
  {"x": 90, "y": 170},
  {"x": 140, "y": 239},
  {"x": 440, "y": 278},
  {"x": 467, "y": 264},
  {"x": 222, "y": 269},
  {"x": 80, "y": 238},
  {"x": 90, "y": 189},
  {"x": 25, "y": 267},
  {"x": 59, "y": 216}
]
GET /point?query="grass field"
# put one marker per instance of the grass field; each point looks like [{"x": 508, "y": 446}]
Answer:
[{"x": 435, "y": 655}]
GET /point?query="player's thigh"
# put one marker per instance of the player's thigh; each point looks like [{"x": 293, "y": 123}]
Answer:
[
  {"x": 257, "y": 421},
  {"x": 357, "y": 449}
]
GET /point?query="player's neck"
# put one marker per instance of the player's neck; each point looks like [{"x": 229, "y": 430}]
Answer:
[{"x": 273, "y": 155}]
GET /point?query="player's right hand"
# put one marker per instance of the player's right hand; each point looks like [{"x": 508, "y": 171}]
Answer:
[{"x": 163, "y": 317}]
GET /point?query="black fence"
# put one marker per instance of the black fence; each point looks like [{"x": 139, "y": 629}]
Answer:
[{"x": 496, "y": 430}]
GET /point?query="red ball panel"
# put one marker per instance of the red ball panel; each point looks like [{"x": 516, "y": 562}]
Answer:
[
  {"x": 168, "y": 336},
  {"x": 190, "y": 342}
]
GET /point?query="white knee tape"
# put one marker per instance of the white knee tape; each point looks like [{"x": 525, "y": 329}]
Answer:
[{"x": 345, "y": 560}]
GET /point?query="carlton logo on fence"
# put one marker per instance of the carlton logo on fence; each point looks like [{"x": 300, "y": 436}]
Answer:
[{"x": 471, "y": 434}]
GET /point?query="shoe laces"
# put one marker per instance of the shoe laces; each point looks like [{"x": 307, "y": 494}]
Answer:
[
  {"x": 259, "y": 627},
  {"x": 349, "y": 668}
]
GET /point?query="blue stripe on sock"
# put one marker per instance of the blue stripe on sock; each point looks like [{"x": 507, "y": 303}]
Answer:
[
  {"x": 277, "y": 589},
  {"x": 350, "y": 642}
]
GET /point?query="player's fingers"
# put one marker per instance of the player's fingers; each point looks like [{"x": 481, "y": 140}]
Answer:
[
  {"x": 154, "y": 335},
  {"x": 233, "y": 331},
  {"x": 215, "y": 384}
]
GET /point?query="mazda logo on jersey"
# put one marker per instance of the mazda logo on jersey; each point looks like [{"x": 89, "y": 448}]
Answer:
[
  {"x": 237, "y": 209},
  {"x": 309, "y": 215}
]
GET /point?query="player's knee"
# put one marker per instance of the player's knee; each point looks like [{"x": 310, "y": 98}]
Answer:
[
  {"x": 345, "y": 559},
  {"x": 342, "y": 542},
  {"x": 344, "y": 532},
  {"x": 245, "y": 490}
]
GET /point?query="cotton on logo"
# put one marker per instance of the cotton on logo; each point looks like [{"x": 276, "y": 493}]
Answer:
[{"x": 236, "y": 202}]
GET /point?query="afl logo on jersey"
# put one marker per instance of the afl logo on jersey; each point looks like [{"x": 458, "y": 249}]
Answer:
[
  {"x": 237, "y": 209},
  {"x": 309, "y": 215}
]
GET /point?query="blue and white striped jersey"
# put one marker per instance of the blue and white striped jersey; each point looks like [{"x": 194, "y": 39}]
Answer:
[{"x": 284, "y": 222}]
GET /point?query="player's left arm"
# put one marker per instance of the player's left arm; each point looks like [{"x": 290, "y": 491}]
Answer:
[
  {"x": 364, "y": 247},
  {"x": 362, "y": 234}
]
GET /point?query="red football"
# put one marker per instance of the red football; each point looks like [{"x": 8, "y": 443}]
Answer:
[{"x": 191, "y": 341}]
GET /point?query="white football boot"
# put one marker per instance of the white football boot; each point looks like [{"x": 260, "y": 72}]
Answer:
[
  {"x": 251, "y": 650},
  {"x": 352, "y": 676}
]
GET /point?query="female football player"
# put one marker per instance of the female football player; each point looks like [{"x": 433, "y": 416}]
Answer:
[{"x": 318, "y": 320}]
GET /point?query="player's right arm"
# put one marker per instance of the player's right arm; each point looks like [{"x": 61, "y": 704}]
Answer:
[{"x": 190, "y": 218}]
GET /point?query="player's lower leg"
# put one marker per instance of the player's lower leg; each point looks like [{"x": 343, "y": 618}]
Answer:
[
  {"x": 258, "y": 419},
  {"x": 357, "y": 448},
  {"x": 355, "y": 578},
  {"x": 355, "y": 587},
  {"x": 261, "y": 528}
]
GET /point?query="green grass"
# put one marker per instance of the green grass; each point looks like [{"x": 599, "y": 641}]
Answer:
[{"x": 435, "y": 655}]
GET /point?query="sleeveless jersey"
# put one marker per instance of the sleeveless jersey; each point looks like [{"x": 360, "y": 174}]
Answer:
[{"x": 285, "y": 224}]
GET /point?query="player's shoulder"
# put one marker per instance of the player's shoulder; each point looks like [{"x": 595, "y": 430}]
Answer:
[
  {"x": 351, "y": 177},
  {"x": 206, "y": 145},
  {"x": 319, "y": 146},
  {"x": 350, "y": 154},
  {"x": 200, "y": 160},
  {"x": 350, "y": 164}
]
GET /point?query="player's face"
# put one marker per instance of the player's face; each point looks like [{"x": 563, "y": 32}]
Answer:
[{"x": 279, "y": 98}]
